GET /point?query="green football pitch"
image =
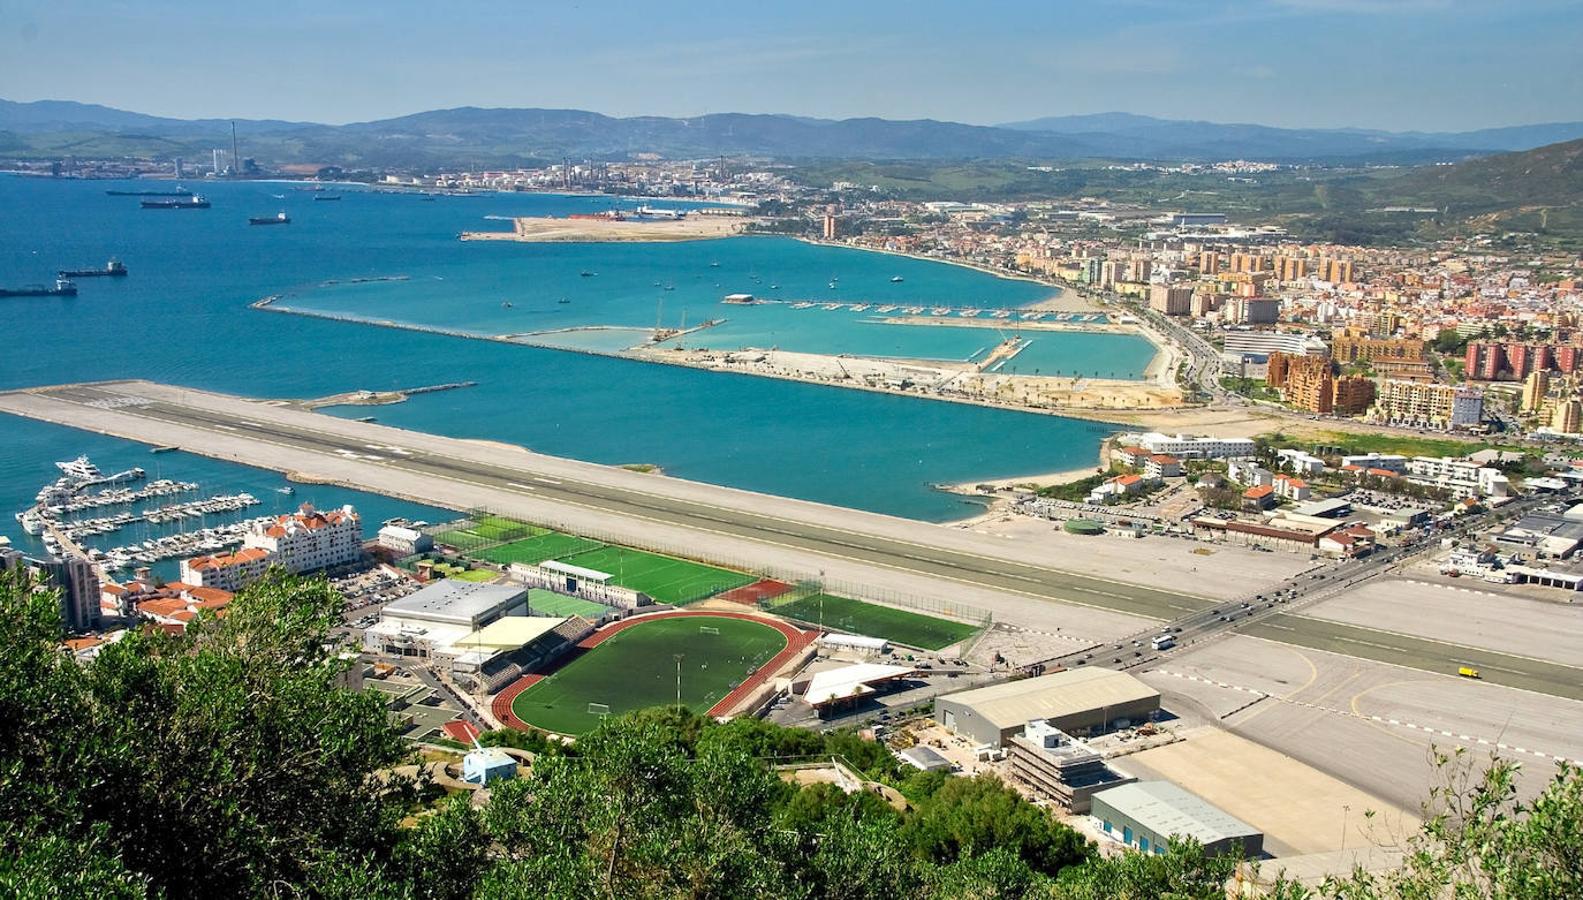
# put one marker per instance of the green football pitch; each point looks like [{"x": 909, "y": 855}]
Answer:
[
  {"x": 549, "y": 603},
  {"x": 899, "y": 625},
  {"x": 665, "y": 578},
  {"x": 540, "y": 547},
  {"x": 636, "y": 668}
]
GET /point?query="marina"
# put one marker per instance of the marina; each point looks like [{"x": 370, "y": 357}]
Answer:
[{"x": 83, "y": 487}]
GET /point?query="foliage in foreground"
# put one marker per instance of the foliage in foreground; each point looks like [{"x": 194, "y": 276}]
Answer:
[{"x": 228, "y": 762}]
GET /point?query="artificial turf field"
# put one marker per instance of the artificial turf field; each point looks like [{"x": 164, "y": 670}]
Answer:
[
  {"x": 636, "y": 667},
  {"x": 536, "y": 549},
  {"x": 665, "y": 578},
  {"x": 899, "y": 625},
  {"x": 549, "y": 603}
]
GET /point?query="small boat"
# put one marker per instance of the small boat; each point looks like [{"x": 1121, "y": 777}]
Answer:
[
  {"x": 832, "y": 285},
  {"x": 327, "y": 196},
  {"x": 563, "y": 300},
  {"x": 896, "y": 279},
  {"x": 278, "y": 196},
  {"x": 505, "y": 304},
  {"x": 714, "y": 265},
  {"x": 775, "y": 287},
  {"x": 288, "y": 490},
  {"x": 587, "y": 274},
  {"x": 670, "y": 287},
  {"x": 279, "y": 218}
]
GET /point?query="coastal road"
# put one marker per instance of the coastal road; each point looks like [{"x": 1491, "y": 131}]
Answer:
[{"x": 198, "y": 421}]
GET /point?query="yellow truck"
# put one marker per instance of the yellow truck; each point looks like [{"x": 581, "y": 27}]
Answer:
[{"x": 1468, "y": 672}]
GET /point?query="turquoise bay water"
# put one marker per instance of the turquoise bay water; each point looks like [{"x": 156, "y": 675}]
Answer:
[
  {"x": 509, "y": 288},
  {"x": 182, "y": 317}
]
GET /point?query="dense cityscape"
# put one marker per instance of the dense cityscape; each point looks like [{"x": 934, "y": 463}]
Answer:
[{"x": 499, "y": 501}]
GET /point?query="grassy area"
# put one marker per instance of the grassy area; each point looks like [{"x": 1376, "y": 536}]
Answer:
[
  {"x": 637, "y": 668},
  {"x": 899, "y": 625},
  {"x": 1347, "y": 444},
  {"x": 549, "y": 603},
  {"x": 1255, "y": 388},
  {"x": 1075, "y": 491},
  {"x": 665, "y": 578},
  {"x": 536, "y": 549},
  {"x": 476, "y": 575}
]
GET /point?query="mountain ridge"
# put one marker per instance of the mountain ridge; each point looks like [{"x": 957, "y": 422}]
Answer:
[{"x": 521, "y": 135}]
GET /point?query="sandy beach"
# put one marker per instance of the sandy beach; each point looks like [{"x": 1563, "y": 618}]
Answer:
[{"x": 548, "y": 230}]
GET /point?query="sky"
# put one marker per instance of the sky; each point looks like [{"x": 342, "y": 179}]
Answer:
[{"x": 1435, "y": 65}]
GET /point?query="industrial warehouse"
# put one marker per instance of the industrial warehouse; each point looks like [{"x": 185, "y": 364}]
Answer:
[{"x": 1075, "y": 702}]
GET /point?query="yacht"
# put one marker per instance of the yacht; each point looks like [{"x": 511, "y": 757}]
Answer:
[{"x": 80, "y": 469}]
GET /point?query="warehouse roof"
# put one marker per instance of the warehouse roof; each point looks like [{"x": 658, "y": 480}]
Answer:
[
  {"x": 1166, "y": 809},
  {"x": 1014, "y": 703},
  {"x": 453, "y": 601}
]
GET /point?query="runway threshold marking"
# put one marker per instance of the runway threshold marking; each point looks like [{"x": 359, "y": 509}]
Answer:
[{"x": 1414, "y": 726}]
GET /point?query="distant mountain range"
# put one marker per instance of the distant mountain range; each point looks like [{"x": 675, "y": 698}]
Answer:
[
  {"x": 1187, "y": 139},
  {"x": 499, "y": 137}
]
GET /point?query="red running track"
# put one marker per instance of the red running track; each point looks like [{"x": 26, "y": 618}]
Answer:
[{"x": 796, "y": 641}]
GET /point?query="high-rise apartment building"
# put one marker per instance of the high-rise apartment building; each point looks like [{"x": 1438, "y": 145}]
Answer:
[{"x": 1171, "y": 300}]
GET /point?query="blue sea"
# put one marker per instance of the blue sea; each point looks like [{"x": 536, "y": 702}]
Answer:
[{"x": 182, "y": 316}]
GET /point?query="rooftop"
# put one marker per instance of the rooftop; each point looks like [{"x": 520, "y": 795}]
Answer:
[
  {"x": 455, "y": 601},
  {"x": 1015, "y": 703},
  {"x": 1169, "y": 810}
]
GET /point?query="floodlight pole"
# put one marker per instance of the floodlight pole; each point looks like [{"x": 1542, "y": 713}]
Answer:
[{"x": 679, "y": 679}]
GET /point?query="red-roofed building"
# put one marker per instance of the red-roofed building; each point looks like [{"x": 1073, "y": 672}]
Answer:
[
  {"x": 1162, "y": 465},
  {"x": 305, "y": 541},
  {"x": 173, "y": 604},
  {"x": 1291, "y": 488},
  {"x": 1353, "y": 540},
  {"x": 226, "y": 571},
  {"x": 1258, "y": 497},
  {"x": 1129, "y": 456}
]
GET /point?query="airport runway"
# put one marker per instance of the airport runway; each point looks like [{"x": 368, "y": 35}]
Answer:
[
  {"x": 148, "y": 413},
  {"x": 461, "y": 474}
]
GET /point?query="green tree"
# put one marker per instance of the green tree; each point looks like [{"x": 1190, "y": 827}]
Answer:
[{"x": 970, "y": 816}]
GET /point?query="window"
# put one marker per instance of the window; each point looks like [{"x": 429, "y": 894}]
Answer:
[
  {"x": 1126, "y": 834},
  {"x": 1143, "y": 843},
  {"x": 1107, "y": 826}
]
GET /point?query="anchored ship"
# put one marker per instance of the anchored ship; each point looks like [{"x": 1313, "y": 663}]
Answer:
[{"x": 112, "y": 269}]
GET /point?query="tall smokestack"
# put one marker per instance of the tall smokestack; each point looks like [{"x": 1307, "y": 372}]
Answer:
[{"x": 236, "y": 161}]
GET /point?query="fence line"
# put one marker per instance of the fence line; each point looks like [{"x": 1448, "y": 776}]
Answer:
[{"x": 795, "y": 576}]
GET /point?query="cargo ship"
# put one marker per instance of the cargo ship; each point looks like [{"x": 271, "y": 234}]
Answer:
[
  {"x": 327, "y": 196},
  {"x": 112, "y": 269},
  {"x": 193, "y": 201},
  {"x": 279, "y": 218},
  {"x": 62, "y": 288}
]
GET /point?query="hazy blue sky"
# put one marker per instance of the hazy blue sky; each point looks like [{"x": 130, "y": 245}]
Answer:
[{"x": 1397, "y": 64}]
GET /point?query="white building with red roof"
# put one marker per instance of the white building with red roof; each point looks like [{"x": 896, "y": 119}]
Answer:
[{"x": 304, "y": 541}]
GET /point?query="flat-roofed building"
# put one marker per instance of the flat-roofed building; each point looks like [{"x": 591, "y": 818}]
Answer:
[
  {"x": 1059, "y": 767},
  {"x": 1075, "y": 701},
  {"x": 457, "y": 604},
  {"x": 1145, "y": 815}
]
